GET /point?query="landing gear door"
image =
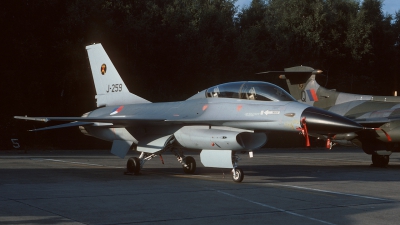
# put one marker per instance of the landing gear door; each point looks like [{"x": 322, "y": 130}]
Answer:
[
  {"x": 216, "y": 158},
  {"x": 152, "y": 143},
  {"x": 120, "y": 148}
]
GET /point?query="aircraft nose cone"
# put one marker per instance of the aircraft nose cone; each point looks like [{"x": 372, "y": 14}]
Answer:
[{"x": 324, "y": 122}]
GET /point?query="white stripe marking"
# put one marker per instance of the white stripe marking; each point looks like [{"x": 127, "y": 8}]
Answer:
[
  {"x": 90, "y": 164},
  {"x": 272, "y": 207},
  {"x": 326, "y": 159},
  {"x": 81, "y": 163},
  {"x": 331, "y": 192},
  {"x": 177, "y": 174}
]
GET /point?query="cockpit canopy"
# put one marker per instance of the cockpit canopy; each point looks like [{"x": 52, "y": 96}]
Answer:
[{"x": 251, "y": 90}]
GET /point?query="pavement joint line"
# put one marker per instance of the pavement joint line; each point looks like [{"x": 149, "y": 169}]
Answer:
[
  {"x": 103, "y": 195},
  {"x": 80, "y": 163},
  {"x": 48, "y": 211},
  {"x": 331, "y": 192},
  {"x": 181, "y": 174},
  {"x": 190, "y": 218},
  {"x": 118, "y": 167},
  {"x": 271, "y": 207}
]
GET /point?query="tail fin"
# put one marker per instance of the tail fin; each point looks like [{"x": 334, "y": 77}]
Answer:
[
  {"x": 297, "y": 78},
  {"x": 110, "y": 88},
  {"x": 303, "y": 86},
  {"x": 300, "y": 79}
]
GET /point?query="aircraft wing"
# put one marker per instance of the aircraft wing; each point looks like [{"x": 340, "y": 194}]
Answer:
[
  {"x": 84, "y": 121},
  {"x": 124, "y": 121},
  {"x": 286, "y": 72},
  {"x": 377, "y": 121},
  {"x": 73, "y": 124}
]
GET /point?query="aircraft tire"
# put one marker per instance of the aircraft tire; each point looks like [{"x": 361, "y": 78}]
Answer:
[
  {"x": 369, "y": 147},
  {"x": 191, "y": 163},
  {"x": 380, "y": 160},
  {"x": 238, "y": 176},
  {"x": 133, "y": 165}
]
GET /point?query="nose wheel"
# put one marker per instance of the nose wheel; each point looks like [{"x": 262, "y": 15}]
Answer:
[{"x": 237, "y": 175}]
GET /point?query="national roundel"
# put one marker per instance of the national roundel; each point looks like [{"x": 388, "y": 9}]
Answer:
[{"x": 103, "y": 69}]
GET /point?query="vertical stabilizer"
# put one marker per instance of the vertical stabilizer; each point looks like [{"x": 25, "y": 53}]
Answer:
[
  {"x": 303, "y": 87},
  {"x": 297, "y": 79},
  {"x": 110, "y": 88}
]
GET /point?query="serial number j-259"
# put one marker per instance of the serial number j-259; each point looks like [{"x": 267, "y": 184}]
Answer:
[{"x": 114, "y": 88}]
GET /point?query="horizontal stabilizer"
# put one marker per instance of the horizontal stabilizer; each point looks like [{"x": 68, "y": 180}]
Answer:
[
  {"x": 73, "y": 124},
  {"x": 287, "y": 72},
  {"x": 296, "y": 75},
  {"x": 41, "y": 119}
]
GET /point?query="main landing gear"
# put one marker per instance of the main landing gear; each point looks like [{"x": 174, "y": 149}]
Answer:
[
  {"x": 135, "y": 164},
  {"x": 190, "y": 166},
  {"x": 379, "y": 155},
  {"x": 188, "y": 162},
  {"x": 380, "y": 158}
]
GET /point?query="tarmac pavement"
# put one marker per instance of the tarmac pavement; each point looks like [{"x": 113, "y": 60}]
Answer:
[{"x": 281, "y": 186}]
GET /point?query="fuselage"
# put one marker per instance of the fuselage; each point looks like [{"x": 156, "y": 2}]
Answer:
[
  {"x": 231, "y": 109},
  {"x": 245, "y": 114},
  {"x": 382, "y": 111}
]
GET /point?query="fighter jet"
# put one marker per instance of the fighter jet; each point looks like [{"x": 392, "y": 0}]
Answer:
[
  {"x": 218, "y": 122},
  {"x": 379, "y": 112}
]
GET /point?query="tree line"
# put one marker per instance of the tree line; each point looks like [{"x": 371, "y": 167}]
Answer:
[{"x": 167, "y": 50}]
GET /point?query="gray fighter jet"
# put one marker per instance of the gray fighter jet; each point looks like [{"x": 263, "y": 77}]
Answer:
[
  {"x": 379, "y": 112},
  {"x": 217, "y": 122}
]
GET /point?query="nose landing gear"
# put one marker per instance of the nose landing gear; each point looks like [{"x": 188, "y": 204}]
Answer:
[{"x": 237, "y": 173}]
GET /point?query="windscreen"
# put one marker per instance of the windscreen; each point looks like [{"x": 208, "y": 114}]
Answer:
[{"x": 250, "y": 90}]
